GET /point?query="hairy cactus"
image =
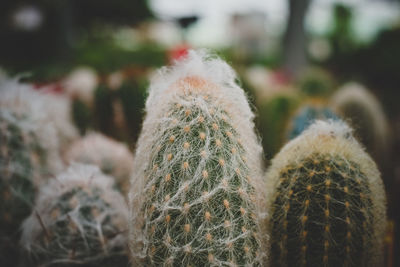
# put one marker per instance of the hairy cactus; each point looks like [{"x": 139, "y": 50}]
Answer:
[
  {"x": 327, "y": 201},
  {"x": 26, "y": 103},
  {"x": 28, "y": 151},
  {"x": 78, "y": 220},
  {"x": 306, "y": 115},
  {"x": 194, "y": 198},
  {"x": 363, "y": 111},
  {"x": 112, "y": 157}
]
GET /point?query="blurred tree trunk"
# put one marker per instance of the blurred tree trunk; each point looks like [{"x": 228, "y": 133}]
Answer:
[{"x": 294, "y": 42}]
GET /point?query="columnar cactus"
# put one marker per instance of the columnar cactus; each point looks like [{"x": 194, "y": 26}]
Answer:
[
  {"x": 112, "y": 157},
  {"x": 363, "y": 111},
  {"x": 78, "y": 220},
  {"x": 306, "y": 115},
  {"x": 194, "y": 196},
  {"x": 327, "y": 201}
]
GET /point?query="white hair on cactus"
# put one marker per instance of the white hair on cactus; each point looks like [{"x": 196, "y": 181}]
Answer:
[
  {"x": 206, "y": 83},
  {"x": 112, "y": 157},
  {"x": 22, "y": 100},
  {"x": 334, "y": 139},
  {"x": 40, "y": 238}
]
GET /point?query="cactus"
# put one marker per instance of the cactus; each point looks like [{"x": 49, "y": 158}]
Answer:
[
  {"x": 23, "y": 102},
  {"x": 194, "y": 196},
  {"x": 306, "y": 115},
  {"x": 316, "y": 83},
  {"x": 19, "y": 163},
  {"x": 112, "y": 157},
  {"x": 326, "y": 201},
  {"x": 28, "y": 152},
  {"x": 79, "y": 220},
  {"x": 28, "y": 155},
  {"x": 274, "y": 116},
  {"x": 363, "y": 111},
  {"x": 58, "y": 110}
]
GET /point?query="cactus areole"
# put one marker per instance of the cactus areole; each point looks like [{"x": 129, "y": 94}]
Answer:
[
  {"x": 328, "y": 203},
  {"x": 193, "y": 203}
]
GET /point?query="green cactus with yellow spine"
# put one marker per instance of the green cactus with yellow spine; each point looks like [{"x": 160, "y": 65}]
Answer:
[{"x": 326, "y": 200}]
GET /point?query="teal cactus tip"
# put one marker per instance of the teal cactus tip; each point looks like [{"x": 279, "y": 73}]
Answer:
[
  {"x": 307, "y": 115},
  {"x": 326, "y": 201},
  {"x": 78, "y": 220},
  {"x": 194, "y": 196}
]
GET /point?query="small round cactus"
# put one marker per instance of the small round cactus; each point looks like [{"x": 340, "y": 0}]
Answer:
[
  {"x": 79, "y": 220},
  {"x": 326, "y": 201},
  {"x": 306, "y": 115},
  {"x": 194, "y": 196},
  {"x": 112, "y": 157},
  {"x": 364, "y": 112}
]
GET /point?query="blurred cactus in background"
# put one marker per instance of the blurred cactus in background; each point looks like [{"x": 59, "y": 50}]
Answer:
[
  {"x": 316, "y": 83},
  {"x": 29, "y": 154},
  {"x": 362, "y": 110},
  {"x": 113, "y": 158},
  {"x": 58, "y": 110},
  {"x": 274, "y": 116},
  {"x": 78, "y": 220},
  {"x": 115, "y": 108},
  {"x": 195, "y": 195},
  {"x": 326, "y": 201}
]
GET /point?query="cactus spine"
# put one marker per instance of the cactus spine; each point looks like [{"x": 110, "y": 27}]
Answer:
[
  {"x": 193, "y": 198},
  {"x": 327, "y": 201},
  {"x": 78, "y": 220}
]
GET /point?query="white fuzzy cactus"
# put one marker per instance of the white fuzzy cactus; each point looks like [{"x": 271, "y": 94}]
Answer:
[
  {"x": 26, "y": 103},
  {"x": 112, "y": 157},
  {"x": 78, "y": 220},
  {"x": 326, "y": 201},
  {"x": 196, "y": 195}
]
